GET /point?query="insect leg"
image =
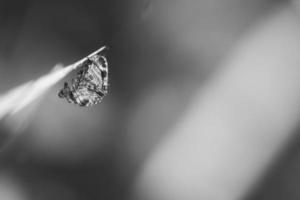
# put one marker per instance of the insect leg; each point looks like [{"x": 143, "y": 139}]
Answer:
[{"x": 64, "y": 92}]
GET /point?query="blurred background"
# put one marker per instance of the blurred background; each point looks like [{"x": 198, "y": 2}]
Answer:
[{"x": 189, "y": 114}]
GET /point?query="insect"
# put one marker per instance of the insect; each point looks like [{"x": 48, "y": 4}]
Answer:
[{"x": 90, "y": 85}]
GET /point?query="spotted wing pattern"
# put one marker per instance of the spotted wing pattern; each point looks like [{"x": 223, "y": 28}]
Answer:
[{"x": 90, "y": 84}]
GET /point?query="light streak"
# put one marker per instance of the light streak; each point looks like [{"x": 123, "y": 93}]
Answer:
[{"x": 15, "y": 100}]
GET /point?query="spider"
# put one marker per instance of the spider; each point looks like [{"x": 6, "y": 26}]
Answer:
[{"x": 90, "y": 84}]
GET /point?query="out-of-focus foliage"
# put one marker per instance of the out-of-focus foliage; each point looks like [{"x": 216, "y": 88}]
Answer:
[{"x": 160, "y": 53}]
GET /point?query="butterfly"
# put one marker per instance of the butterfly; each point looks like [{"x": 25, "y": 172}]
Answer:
[{"x": 90, "y": 85}]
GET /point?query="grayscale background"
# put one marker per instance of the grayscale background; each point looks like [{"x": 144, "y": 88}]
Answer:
[{"x": 179, "y": 70}]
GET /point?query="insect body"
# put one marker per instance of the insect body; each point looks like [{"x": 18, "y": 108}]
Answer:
[{"x": 90, "y": 84}]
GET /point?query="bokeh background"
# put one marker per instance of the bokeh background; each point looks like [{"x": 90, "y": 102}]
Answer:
[{"x": 162, "y": 55}]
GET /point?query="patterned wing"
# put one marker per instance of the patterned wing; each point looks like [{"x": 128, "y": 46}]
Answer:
[{"x": 91, "y": 82}]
